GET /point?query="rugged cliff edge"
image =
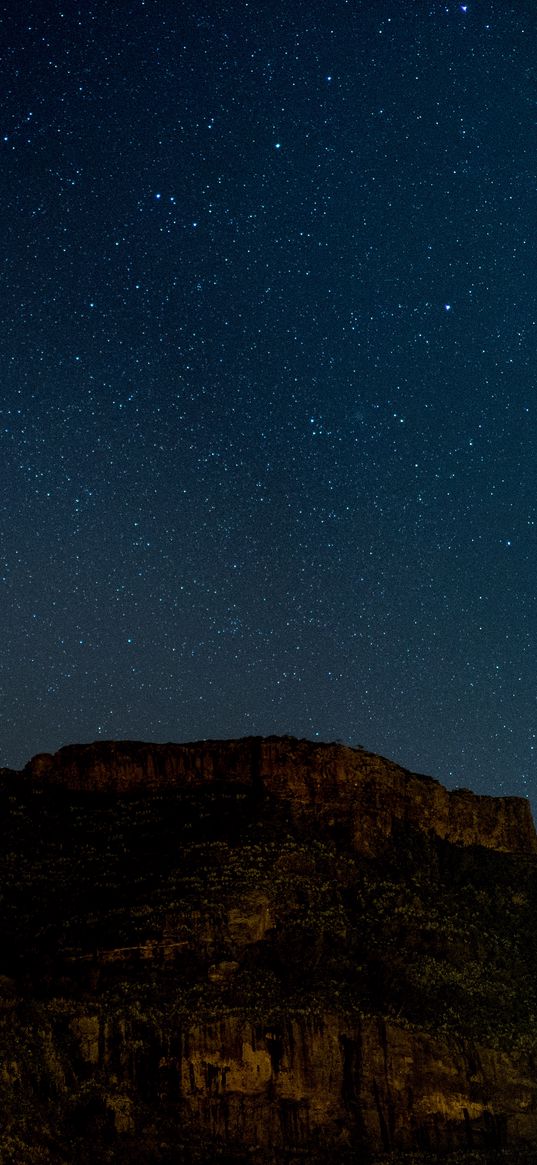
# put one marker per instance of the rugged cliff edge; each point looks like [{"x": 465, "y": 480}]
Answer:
[{"x": 263, "y": 950}]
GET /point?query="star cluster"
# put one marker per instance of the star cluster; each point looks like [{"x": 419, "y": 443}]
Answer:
[{"x": 267, "y": 405}]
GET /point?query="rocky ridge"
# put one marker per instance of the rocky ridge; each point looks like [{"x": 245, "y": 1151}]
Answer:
[
  {"x": 263, "y": 951},
  {"x": 336, "y": 784}
]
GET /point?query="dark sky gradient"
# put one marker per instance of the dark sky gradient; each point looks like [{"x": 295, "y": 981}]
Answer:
[{"x": 268, "y": 355}]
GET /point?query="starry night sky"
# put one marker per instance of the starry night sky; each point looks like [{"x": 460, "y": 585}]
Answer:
[{"x": 268, "y": 351}]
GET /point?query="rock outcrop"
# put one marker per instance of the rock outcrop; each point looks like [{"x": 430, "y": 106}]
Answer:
[{"x": 264, "y": 951}]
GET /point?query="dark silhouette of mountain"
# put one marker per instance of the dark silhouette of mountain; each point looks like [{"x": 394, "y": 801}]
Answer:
[{"x": 263, "y": 951}]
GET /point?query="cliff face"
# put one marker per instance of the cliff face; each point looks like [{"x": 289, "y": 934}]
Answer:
[
  {"x": 298, "y": 1084},
  {"x": 262, "y": 951},
  {"x": 334, "y": 784}
]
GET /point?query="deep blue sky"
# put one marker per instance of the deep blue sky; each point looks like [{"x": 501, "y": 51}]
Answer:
[{"x": 267, "y": 399}]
